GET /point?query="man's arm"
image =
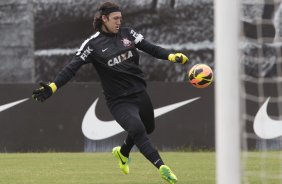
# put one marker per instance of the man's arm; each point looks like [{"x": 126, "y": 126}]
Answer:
[
  {"x": 48, "y": 89},
  {"x": 68, "y": 72},
  {"x": 161, "y": 53},
  {"x": 153, "y": 50}
]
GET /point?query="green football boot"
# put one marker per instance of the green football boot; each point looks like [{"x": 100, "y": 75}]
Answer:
[
  {"x": 122, "y": 160},
  {"x": 167, "y": 174}
]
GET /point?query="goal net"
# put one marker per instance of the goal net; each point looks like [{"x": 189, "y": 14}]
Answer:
[
  {"x": 261, "y": 91},
  {"x": 248, "y": 40}
]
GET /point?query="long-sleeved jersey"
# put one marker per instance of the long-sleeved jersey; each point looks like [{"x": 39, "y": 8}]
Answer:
[{"x": 116, "y": 60}]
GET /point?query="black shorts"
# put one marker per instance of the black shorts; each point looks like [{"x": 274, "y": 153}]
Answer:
[{"x": 134, "y": 113}]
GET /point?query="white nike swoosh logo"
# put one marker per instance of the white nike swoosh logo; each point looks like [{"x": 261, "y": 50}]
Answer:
[
  {"x": 156, "y": 161},
  {"x": 264, "y": 126},
  {"x": 12, "y": 104},
  {"x": 96, "y": 129},
  {"x": 103, "y": 50}
]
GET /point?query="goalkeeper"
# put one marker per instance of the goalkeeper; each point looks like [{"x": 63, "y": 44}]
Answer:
[{"x": 113, "y": 52}]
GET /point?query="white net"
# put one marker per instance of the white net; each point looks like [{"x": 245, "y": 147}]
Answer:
[{"x": 261, "y": 91}]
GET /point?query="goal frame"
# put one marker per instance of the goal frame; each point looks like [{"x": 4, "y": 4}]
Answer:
[{"x": 227, "y": 88}]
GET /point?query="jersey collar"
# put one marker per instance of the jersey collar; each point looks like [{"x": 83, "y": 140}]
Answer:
[{"x": 107, "y": 34}]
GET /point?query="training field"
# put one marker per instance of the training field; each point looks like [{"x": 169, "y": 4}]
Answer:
[{"x": 102, "y": 168}]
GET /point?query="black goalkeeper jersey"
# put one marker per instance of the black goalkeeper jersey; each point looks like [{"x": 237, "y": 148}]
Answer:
[{"x": 116, "y": 60}]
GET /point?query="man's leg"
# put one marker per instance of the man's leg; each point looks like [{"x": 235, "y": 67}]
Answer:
[
  {"x": 127, "y": 146},
  {"x": 127, "y": 115},
  {"x": 146, "y": 113},
  {"x": 147, "y": 149}
]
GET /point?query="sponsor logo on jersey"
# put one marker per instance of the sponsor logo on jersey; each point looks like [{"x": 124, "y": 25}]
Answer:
[
  {"x": 126, "y": 42},
  {"x": 104, "y": 50},
  {"x": 134, "y": 34},
  {"x": 138, "y": 37},
  {"x": 123, "y": 57},
  {"x": 86, "y": 53}
]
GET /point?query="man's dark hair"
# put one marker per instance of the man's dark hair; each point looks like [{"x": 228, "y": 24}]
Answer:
[{"x": 105, "y": 9}]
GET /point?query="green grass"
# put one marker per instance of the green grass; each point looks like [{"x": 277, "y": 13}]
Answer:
[
  {"x": 263, "y": 167},
  {"x": 102, "y": 168}
]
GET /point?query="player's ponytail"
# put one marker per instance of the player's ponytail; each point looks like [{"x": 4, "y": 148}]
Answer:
[{"x": 105, "y": 9}]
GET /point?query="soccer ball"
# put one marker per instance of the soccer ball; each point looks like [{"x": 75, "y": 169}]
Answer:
[{"x": 200, "y": 75}]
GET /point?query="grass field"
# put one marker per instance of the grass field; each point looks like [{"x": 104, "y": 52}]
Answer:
[
  {"x": 102, "y": 168},
  {"x": 264, "y": 167}
]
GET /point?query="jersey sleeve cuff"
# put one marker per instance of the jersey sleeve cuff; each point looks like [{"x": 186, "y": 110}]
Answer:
[{"x": 53, "y": 87}]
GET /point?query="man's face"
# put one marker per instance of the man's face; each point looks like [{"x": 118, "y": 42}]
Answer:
[{"x": 112, "y": 21}]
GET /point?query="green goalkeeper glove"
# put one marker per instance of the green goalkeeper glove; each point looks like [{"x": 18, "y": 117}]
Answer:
[
  {"x": 178, "y": 58},
  {"x": 45, "y": 91}
]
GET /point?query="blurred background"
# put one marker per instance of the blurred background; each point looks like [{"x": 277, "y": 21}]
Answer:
[{"x": 39, "y": 37}]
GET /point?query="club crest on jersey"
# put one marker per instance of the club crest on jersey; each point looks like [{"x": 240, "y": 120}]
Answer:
[
  {"x": 126, "y": 42},
  {"x": 122, "y": 57}
]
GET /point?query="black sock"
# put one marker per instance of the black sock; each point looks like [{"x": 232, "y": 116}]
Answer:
[
  {"x": 127, "y": 146},
  {"x": 158, "y": 162},
  {"x": 151, "y": 154}
]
